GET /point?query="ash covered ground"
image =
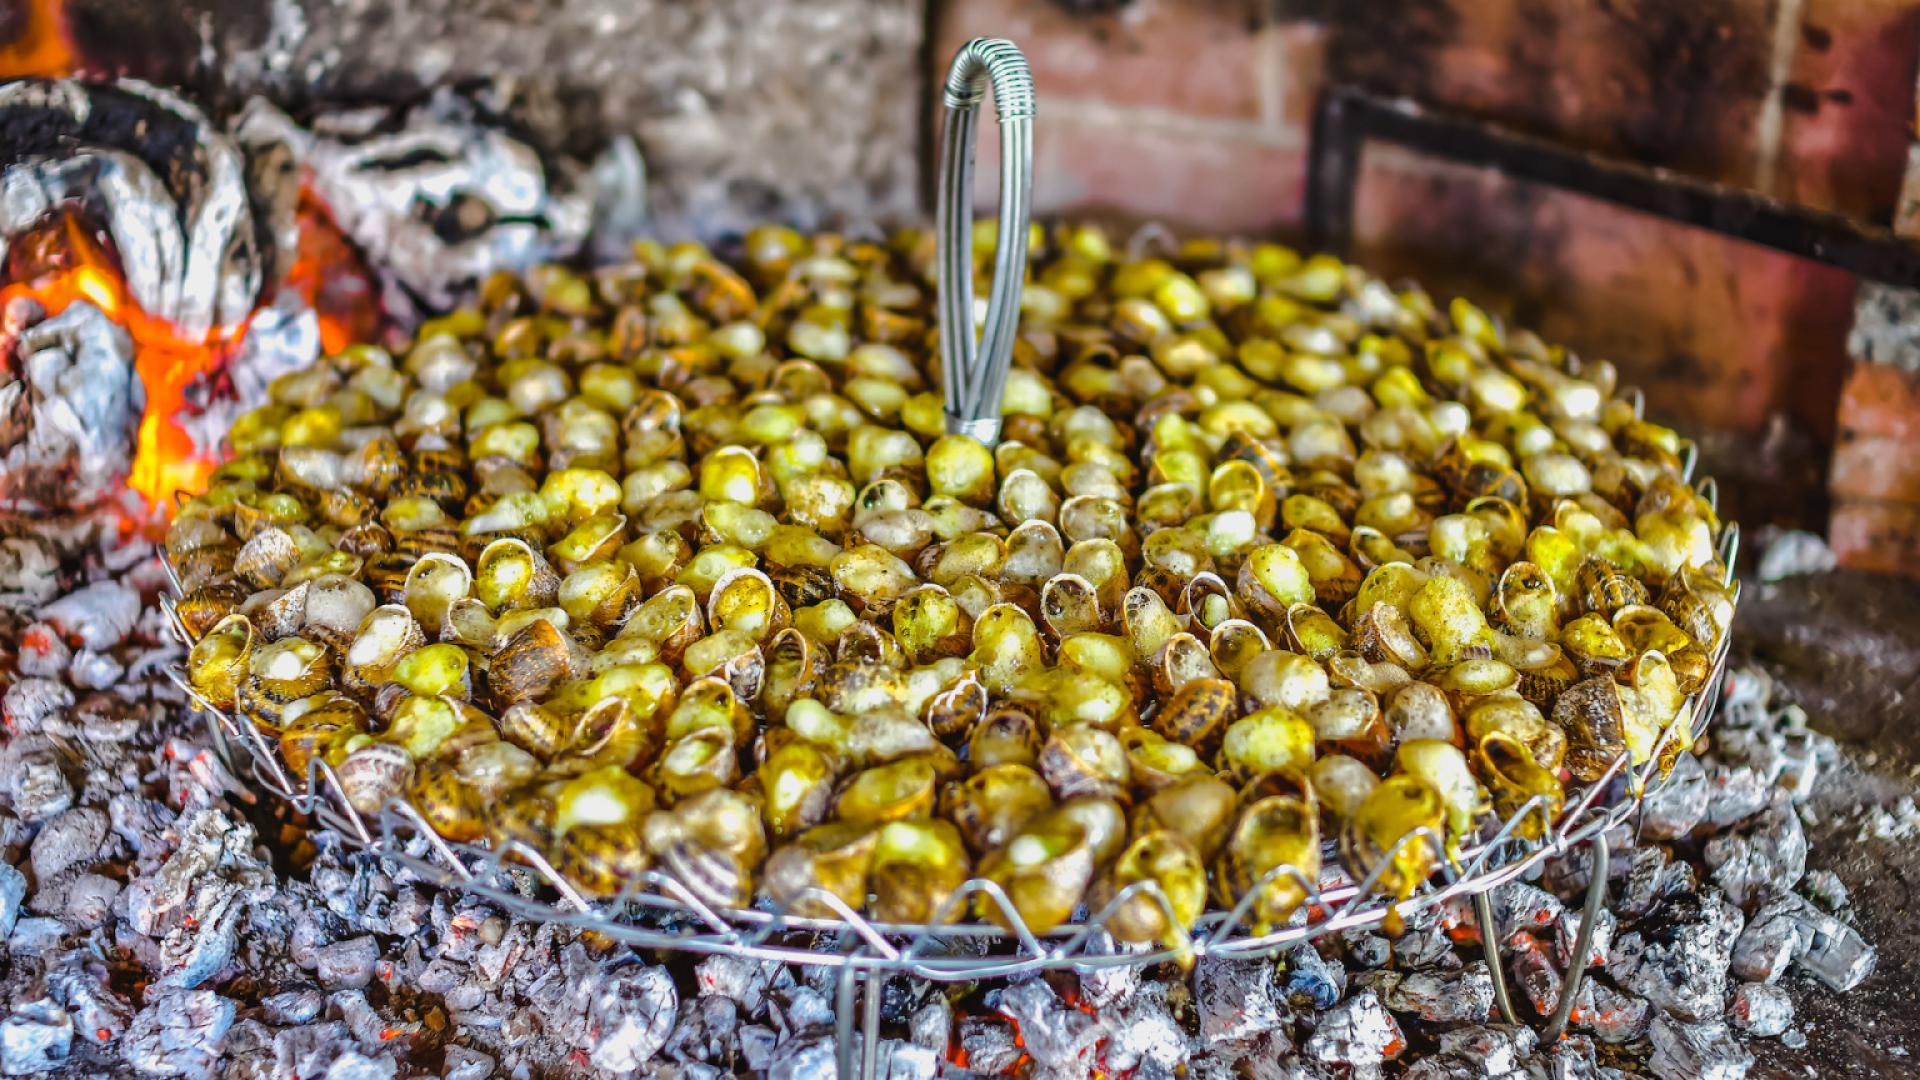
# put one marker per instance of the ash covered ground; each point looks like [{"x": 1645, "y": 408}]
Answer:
[{"x": 160, "y": 920}]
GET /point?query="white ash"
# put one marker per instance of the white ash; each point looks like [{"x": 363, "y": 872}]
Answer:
[
  {"x": 438, "y": 197},
  {"x": 67, "y": 424},
  {"x": 184, "y": 231},
  {"x": 348, "y": 967},
  {"x": 1760, "y": 1010},
  {"x": 1705, "y": 1051}
]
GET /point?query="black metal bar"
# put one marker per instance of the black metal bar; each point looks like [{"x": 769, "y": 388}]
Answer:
[{"x": 1348, "y": 118}]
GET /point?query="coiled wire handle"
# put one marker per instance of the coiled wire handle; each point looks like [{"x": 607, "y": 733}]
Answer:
[{"x": 975, "y": 371}]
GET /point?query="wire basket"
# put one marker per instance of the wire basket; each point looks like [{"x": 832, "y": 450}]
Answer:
[{"x": 658, "y": 911}]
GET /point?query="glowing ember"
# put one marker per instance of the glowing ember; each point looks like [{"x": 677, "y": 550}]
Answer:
[
  {"x": 40, "y": 45},
  {"x": 70, "y": 264},
  {"x": 332, "y": 278}
]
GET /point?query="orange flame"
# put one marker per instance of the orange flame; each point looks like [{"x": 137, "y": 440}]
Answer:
[
  {"x": 41, "y": 46},
  {"x": 73, "y": 266},
  {"x": 330, "y": 274},
  {"x": 63, "y": 262}
]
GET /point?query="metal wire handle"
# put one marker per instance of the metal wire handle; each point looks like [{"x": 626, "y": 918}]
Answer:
[{"x": 975, "y": 371}]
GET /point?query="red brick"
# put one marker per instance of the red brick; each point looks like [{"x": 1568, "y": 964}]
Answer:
[
  {"x": 1675, "y": 84},
  {"x": 1879, "y": 400},
  {"x": 1718, "y": 333},
  {"x": 1848, "y": 106},
  {"x": 1883, "y": 537},
  {"x": 1876, "y": 467},
  {"x": 1110, "y": 168},
  {"x": 1198, "y": 59}
]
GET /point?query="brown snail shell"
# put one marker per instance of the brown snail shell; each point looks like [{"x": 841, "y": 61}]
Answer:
[
  {"x": 833, "y": 858},
  {"x": 989, "y": 805},
  {"x": 221, "y": 660},
  {"x": 1592, "y": 715},
  {"x": 206, "y": 605},
  {"x": 1085, "y": 760},
  {"x": 1277, "y": 835},
  {"x": 1169, "y": 860},
  {"x": 1199, "y": 713},
  {"x": 1198, "y": 806},
  {"x": 917, "y": 865},
  {"x": 1007, "y": 736},
  {"x": 1044, "y": 870},
  {"x": 265, "y": 558},
  {"x": 710, "y": 843},
  {"x": 373, "y": 774},
  {"x": 959, "y": 707}
]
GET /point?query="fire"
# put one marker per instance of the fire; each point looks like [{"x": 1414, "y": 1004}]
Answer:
[
  {"x": 64, "y": 262},
  {"x": 40, "y": 44},
  {"x": 72, "y": 265},
  {"x": 330, "y": 274}
]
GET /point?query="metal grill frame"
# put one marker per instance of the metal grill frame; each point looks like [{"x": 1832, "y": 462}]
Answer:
[{"x": 656, "y": 911}]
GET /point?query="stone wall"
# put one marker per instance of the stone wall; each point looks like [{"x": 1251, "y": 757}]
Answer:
[{"x": 745, "y": 110}]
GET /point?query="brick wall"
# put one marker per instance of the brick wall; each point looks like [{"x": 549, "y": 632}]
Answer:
[{"x": 1198, "y": 114}]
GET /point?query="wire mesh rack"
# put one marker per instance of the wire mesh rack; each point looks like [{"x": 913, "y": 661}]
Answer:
[{"x": 656, "y": 910}]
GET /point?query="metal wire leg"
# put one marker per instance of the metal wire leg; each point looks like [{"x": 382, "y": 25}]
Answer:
[
  {"x": 1583, "y": 941},
  {"x": 867, "y": 1063},
  {"x": 1490, "y": 941},
  {"x": 845, "y": 986},
  {"x": 870, "y": 1027}
]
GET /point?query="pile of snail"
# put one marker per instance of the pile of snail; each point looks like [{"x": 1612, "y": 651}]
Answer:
[{"x": 672, "y": 566}]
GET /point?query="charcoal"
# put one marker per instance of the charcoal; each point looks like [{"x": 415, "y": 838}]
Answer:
[
  {"x": 1054, "y": 1033},
  {"x": 1312, "y": 981},
  {"x": 1673, "y": 808},
  {"x": 100, "y": 615},
  {"x": 1235, "y": 999},
  {"x": 1760, "y": 1010},
  {"x": 1766, "y": 946},
  {"x": 1519, "y": 907},
  {"x": 1738, "y": 794},
  {"x": 987, "y": 1042},
  {"x": 89, "y": 901},
  {"x": 932, "y": 1025},
  {"x": 13, "y": 890},
  {"x": 35, "y": 1037},
  {"x": 1823, "y": 945},
  {"x": 1358, "y": 1033},
  {"x": 1496, "y": 1049},
  {"x": 1534, "y": 973},
  {"x": 705, "y": 1031},
  {"x": 1144, "y": 1034},
  {"x": 633, "y": 1012},
  {"x": 742, "y": 979},
  {"x": 1677, "y": 957},
  {"x": 1436, "y": 997},
  {"x": 1697, "y": 1051},
  {"x": 899, "y": 1059},
  {"x": 179, "y": 1032},
  {"x": 71, "y": 839},
  {"x": 36, "y": 936},
  {"x": 1825, "y": 888},
  {"x": 293, "y": 1006},
  {"x": 1366, "y": 949},
  {"x": 32, "y": 703},
  {"x": 1756, "y": 862},
  {"x": 756, "y": 1046},
  {"x": 43, "y": 654},
  {"x": 464, "y": 1063},
  {"x": 1566, "y": 934},
  {"x": 1615, "y": 1016},
  {"x": 1573, "y": 1058},
  {"x": 1105, "y": 985}
]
